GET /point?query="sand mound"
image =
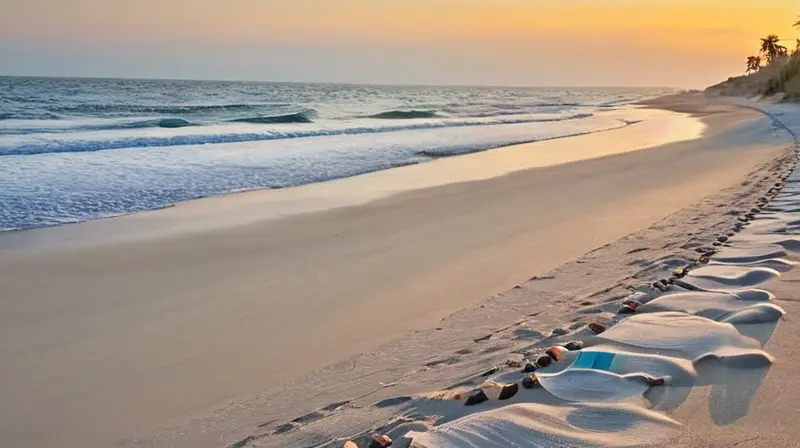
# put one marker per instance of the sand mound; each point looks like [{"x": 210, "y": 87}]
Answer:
[
  {"x": 535, "y": 425},
  {"x": 749, "y": 306}
]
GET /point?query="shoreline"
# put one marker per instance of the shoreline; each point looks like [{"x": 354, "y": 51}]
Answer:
[
  {"x": 244, "y": 191},
  {"x": 658, "y": 127},
  {"x": 135, "y": 273},
  {"x": 281, "y": 161}
]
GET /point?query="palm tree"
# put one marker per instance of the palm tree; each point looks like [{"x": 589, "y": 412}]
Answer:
[
  {"x": 753, "y": 64},
  {"x": 797, "y": 24},
  {"x": 772, "y": 48}
]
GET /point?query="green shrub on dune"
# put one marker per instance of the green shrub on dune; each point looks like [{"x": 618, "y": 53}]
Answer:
[
  {"x": 780, "y": 77},
  {"x": 786, "y": 81}
]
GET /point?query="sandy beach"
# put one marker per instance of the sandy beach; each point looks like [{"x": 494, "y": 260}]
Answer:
[{"x": 192, "y": 326}]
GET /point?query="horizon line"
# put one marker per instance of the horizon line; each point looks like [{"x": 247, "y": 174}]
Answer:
[{"x": 341, "y": 83}]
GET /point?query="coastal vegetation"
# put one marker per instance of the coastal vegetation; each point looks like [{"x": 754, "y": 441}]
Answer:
[{"x": 773, "y": 72}]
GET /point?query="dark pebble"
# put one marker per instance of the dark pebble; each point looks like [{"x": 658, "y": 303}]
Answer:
[
  {"x": 509, "y": 390},
  {"x": 632, "y": 303},
  {"x": 597, "y": 328},
  {"x": 574, "y": 345},
  {"x": 625, "y": 309},
  {"x": 380, "y": 441},
  {"x": 477, "y": 396},
  {"x": 529, "y": 382},
  {"x": 660, "y": 286},
  {"x": 543, "y": 361},
  {"x": 628, "y": 307}
]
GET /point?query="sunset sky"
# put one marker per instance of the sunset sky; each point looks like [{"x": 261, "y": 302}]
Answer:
[{"x": 686, "y": 43}]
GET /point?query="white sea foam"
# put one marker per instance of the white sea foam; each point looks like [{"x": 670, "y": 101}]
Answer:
[
  {"x": 161, "y": 142},
  {"x": 77, "y": 181}
]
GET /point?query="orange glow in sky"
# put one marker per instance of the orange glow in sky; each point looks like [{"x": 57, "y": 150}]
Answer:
[{"x": 712, "y": 37}]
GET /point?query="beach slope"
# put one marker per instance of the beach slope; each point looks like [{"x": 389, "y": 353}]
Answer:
[{"x": 111, "y": 341}]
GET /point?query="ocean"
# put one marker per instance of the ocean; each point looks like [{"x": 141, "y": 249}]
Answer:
[{"x": 73, "y": 150}]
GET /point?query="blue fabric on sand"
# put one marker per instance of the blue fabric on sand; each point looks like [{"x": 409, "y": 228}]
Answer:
[{"x": 593, "y": 360}]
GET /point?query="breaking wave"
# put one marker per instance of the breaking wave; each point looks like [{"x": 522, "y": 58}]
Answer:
[
  {"x": 299, "y": 117},
  {"x": 62, "y": 143},
  {"x": 404, "y": 114}
]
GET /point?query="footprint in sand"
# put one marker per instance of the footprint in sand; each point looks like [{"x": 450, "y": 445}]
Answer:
[{"x": 306, "y": 419}]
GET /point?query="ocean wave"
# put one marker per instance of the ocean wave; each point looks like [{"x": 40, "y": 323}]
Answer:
[
  {"x": 167, "y": 123},
  {"x": 22, "y": 127},
  {"x": 404, "y": 114},
  {"x": 298, "y": 117},
  {"x": 173, "y": 123},
  {"x": 28, "y": 115},
  {"x": 494, "y": 113},
  {"x": 55, "y": 143},
  {"x": 558, "y": 104},
  {"x": 503, "y": 109},
  {"x": 75, "y": 187},
  {"x": 165, "y": 110},
  {"x": 13, "y": 126}
]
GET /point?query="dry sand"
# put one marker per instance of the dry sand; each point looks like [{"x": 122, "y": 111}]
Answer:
[
  {"x": 770, "y": 417},
  {"x": 103, "y": 342},
  {"x": 722, "y": 390}
]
